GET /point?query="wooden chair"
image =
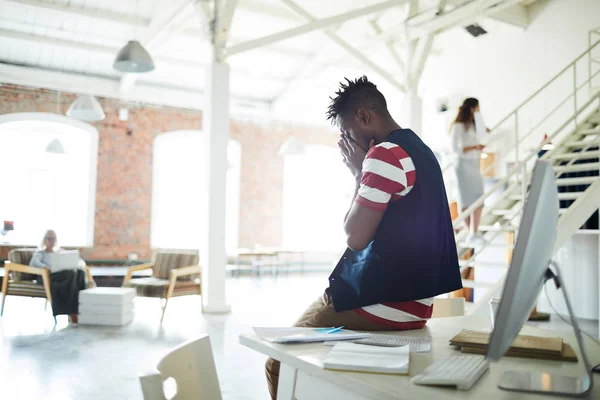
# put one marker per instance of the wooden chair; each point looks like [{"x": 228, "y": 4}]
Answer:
[
  {"x": 22, "y": 280},
  {"x": 192, "y": 366},
  {"x": 174, "y": 273},
  {"x": 450, "y": 307}
]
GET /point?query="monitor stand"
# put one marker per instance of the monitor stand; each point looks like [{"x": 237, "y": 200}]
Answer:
[{"x": 544, "y": 382}]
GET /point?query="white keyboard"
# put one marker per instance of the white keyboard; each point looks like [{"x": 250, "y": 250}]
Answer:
[
  {"x": 459, "y": 371},
  {"x": 417, "y": 343}
]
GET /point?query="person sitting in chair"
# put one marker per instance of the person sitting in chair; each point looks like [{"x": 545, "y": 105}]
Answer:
[{"x": 65, "y": 285}]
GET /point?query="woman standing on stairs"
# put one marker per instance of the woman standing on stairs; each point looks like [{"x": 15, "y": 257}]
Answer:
[{"x": 467, "y": 132}]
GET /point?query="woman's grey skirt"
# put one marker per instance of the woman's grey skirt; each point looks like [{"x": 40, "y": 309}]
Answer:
[{"x": 469, "y": 180}]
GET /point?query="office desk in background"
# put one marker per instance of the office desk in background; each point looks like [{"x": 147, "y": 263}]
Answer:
[
  {"x": 267, "y": 257},
  {"x": 302, "y": 376}
]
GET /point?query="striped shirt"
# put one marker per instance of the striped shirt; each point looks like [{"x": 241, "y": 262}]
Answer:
[{"x": 388, "y": 175}]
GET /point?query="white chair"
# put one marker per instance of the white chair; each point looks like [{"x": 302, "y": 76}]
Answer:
[
  {"x": 192, "y": 366},
  {"x": 451, "y": 307}
]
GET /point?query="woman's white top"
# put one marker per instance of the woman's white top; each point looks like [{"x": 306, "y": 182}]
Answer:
[
  {"x": 475, "y": 135},
  {"x": 462, "y": 138}
]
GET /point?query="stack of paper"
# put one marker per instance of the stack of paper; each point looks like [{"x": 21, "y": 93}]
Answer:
[
  {"x": 306, "y": 335},
  {"x": 363, "y": 358}
]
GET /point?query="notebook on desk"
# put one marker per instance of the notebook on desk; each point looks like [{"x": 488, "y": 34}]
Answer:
[
  {"x": 525, "y": 346},
  {"x": 364, "y": 358}
]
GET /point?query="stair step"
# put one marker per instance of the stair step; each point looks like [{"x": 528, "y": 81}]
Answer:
[
  {"x": 593, "y": 131},
  {"x": 488, "y": 245},
  {"x": 493, "y": 228},
  {"x": 475, "y": 263},
  {"x": 584, "y": 180},
  {"x": 501, "y": 212},
  {"x": 577, "y": 167},
  {"x": 580, "y": 154},
  {"x": 561, "y": 196},
  {"x": 581, "y": 143},
  {"x": 474, "y": 284}
]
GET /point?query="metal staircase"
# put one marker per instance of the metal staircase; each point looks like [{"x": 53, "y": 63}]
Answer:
[{"x": 572, "y": 124}]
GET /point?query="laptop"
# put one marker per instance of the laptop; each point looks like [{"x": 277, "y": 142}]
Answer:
[{"x": 64, "y": 259}]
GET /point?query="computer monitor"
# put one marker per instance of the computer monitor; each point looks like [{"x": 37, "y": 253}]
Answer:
[{"x": 529, "y": 270}]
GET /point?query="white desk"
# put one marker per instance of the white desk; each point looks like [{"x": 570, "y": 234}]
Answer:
[{"x": 303, "y": 378}]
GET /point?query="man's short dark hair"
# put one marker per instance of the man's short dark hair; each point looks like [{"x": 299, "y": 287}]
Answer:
[{"x": 358, "y": 93}]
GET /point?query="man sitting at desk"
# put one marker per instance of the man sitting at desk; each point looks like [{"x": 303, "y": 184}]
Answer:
[{"x": 401, "y": 249}]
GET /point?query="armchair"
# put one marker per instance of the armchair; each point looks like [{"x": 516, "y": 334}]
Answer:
[
  {"x": 174, "y": 273},
  {"x": 22, "y": 280}
]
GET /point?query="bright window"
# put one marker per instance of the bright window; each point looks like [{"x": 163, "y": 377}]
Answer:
[
  {"x": 43, "y": 190},
  {"x": 178, "y": 182},
  {"x": 317, "y": 193}
]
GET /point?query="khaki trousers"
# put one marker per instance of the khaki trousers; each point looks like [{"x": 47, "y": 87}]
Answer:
[{"x": 322, "y": 314}]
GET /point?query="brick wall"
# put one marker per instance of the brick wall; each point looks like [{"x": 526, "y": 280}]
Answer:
[{"x": 124, "y": 182}]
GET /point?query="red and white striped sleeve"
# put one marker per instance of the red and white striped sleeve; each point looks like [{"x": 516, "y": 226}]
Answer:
[{"x": 388, "y": 174}]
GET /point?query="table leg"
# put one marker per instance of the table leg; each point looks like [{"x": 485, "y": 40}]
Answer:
[{"x": 287, "y": 383}]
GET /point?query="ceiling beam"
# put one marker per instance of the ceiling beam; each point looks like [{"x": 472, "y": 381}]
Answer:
[
  {"x": 223, "y": 25},
  {"x": 142, "y": 23},
  {"x": 389, "y": 44},
  {"x": 462, "y": 15},
  {"x": 351, "y": 50},
  {"x": 85, "y": 12},
  {"x": 313, "y": 25},
  {"x": 108, "y": 50},
  {"x": 425, "y": 44},
  {"x": 73, "y": 82},
  {"x": 516, "y": 15}
]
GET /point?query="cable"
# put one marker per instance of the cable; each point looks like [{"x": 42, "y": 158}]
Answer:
[{"x": 569, "y": 322}]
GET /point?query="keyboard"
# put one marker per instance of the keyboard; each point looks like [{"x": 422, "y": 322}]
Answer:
[
  {"x": 460, "y": 372},
  {"x": 417, "y": 344}
]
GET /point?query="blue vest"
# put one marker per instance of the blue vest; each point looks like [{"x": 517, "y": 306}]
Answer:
[{"x": 413, "y": 255}]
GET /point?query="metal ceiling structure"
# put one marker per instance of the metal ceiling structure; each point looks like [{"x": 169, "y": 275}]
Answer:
[{"x": 275, "y": 48}]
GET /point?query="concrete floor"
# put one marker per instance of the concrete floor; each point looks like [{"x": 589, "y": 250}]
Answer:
[{"x": 39, "y": 360}]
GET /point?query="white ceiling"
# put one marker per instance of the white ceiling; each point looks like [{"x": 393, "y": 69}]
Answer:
[{"x": 71, "y": 44}]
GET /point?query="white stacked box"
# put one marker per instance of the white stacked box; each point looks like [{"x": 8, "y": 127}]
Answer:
[{"x": 106, "y": 306}]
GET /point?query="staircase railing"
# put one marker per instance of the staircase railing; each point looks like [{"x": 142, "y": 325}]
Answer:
[
  {"x": 594, "y": 60},
  {"x": 578, "y": 88}
]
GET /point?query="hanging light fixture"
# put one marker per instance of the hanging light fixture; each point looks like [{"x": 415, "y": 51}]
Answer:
[
  {"x": 86, "y": 108},
  {"x": 55, "y": 146},
  {"x": 133, "y": 58},
  {"x": 292, "y": 147}
]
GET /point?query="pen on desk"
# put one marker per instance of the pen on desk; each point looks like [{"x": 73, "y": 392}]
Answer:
[{"x": 335, "y": 329}]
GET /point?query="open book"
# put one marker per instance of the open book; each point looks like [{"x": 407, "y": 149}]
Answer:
[{"x": 363, "y": 358}]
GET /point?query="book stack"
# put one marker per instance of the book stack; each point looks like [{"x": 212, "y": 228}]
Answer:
[
  {"x": 106, "y": 306},
  {"x": 544, "y": 348}
]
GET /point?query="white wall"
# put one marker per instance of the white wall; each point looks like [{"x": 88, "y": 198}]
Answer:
[{"x": 505, "y": 66}]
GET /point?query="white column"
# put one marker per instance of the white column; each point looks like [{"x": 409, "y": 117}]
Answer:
[
  {"x": 413, "y": 114},
  {"x": 216, "y": 129}
]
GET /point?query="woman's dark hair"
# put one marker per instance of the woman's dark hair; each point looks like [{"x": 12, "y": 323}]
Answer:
[{"x": 465, "y": 112}]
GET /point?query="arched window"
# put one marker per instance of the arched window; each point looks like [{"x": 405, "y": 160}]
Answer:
[
  {"x": 177, "y": 184},
  {"x": 48, "y": 169},
  {"x": 317, "y": 191}
]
